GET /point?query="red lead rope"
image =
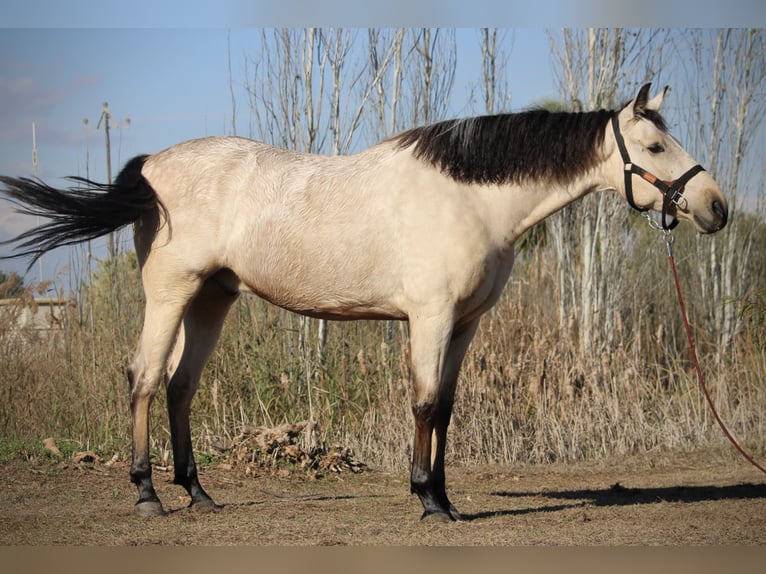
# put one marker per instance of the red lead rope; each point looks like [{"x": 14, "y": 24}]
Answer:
[{"x": 700, "y": 378}]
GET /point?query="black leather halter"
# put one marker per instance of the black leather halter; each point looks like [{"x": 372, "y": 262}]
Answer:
[{"x": 672, "y": 191}]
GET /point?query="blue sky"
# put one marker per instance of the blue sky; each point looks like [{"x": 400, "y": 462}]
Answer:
[{"x": 173, "y": 85}]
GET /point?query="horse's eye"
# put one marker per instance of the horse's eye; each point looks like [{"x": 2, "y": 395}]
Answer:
[{"x": 656, "y": 148}]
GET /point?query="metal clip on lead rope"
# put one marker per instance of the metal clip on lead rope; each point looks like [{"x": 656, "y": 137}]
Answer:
[
  {"x": 667, "y": 233},
  {"x": 668, "y": 236}
]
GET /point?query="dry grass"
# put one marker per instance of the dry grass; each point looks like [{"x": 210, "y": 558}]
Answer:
[
  {"x": 527, "y": 393},
  {"x": 695, "y": 499}
]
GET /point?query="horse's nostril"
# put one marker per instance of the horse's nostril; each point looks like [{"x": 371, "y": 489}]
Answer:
[{"x": 720, "y": 210}]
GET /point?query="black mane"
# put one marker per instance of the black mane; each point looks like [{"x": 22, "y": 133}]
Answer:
[{"x": 511, "y": 148}]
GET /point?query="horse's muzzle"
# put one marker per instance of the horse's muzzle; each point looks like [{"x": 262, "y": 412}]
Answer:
[{"x": 719, "y": 216}]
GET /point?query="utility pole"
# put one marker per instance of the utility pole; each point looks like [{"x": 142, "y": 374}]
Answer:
[
  {"x": 105, "y": 119},
  {"x": 34, "y": 165}
]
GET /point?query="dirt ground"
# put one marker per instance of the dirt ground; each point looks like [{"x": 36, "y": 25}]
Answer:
[{"x": 702, "y": 498}]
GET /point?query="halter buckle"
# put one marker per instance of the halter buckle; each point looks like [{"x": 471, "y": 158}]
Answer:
[{"x": 673, "y": 194}]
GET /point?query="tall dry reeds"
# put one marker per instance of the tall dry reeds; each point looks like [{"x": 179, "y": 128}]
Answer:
[{"x": 527, "y": 393}]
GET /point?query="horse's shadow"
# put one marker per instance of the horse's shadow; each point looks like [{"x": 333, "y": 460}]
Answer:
[{"x": 618, "y": 495}]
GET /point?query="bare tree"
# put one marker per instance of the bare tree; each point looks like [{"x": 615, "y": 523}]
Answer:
[
  {"x": 281, "y": 89},
  {"x": 727, "y": 102},
  {"x": 386, "y": 55},
  {"x": 430, "y": 74},
  {"x": 592, "y": 63},
  {"x": 231, "y": 87},
  {"x": 494, "y": 56}
]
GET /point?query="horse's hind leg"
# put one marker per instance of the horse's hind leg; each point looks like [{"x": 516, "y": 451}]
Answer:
[
  {"x": 200, "y": 331},
  {"x": 164, "y": 309}
]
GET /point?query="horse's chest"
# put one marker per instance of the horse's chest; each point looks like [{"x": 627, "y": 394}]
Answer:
[{"x": 485, "y": 286}]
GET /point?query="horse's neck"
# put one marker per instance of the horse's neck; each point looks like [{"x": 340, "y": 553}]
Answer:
[{"x": 524, "y": 206}]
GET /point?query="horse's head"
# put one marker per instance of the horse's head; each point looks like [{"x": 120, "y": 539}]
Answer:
[{"x": 658, "y": 173}]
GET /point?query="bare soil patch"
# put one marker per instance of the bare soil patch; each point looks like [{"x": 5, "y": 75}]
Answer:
[{"x": 703, "y": 498}]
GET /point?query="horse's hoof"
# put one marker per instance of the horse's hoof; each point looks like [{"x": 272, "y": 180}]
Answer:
[{"x": 149, "y": 508}]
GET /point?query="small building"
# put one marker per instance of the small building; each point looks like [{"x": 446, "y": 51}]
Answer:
[{"x": 40, "y": 317}]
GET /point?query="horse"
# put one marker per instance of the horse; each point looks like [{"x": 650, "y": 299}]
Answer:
[{"x": 419, "y": 227}]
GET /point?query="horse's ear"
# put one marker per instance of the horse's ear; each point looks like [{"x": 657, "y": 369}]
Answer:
[
  {"x": 643, "y": 103},
  {"x": 642, "y": 99},
  {"x": 656, "y": 102}
]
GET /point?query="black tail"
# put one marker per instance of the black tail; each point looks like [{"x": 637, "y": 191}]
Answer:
[{"x": 80, "y": 213}]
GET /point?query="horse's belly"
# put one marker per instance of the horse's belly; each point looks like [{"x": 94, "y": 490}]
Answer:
[{"x": 336, "y": 300}]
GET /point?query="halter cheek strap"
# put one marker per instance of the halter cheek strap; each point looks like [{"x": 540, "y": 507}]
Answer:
[{"x": 672, "y": 192}]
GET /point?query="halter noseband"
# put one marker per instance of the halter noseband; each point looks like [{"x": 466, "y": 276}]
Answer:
[{"x": 672, "y": 191}]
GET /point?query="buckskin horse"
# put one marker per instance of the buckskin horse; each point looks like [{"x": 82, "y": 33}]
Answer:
[{"x": 420, "y": 227}]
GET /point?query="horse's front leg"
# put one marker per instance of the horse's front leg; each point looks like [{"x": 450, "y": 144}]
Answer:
[
  {"x": 461, "y": 339},
  {"x": 437, "y": 353},
  {"x": 423, "y": 482}
]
